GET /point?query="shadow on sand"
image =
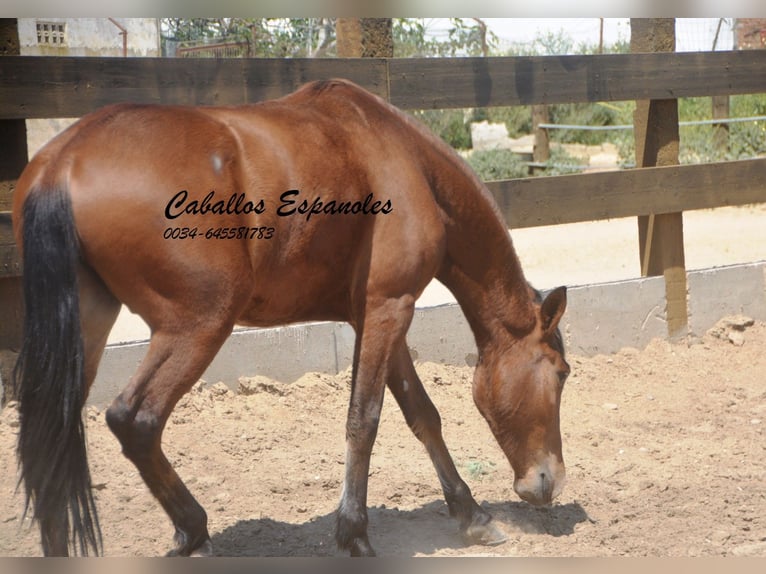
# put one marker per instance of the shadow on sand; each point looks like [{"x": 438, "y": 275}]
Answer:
[{"x": 393, "y": 532}]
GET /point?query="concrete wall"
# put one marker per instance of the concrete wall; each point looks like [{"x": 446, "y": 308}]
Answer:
[{"x": 600, "y": 319}]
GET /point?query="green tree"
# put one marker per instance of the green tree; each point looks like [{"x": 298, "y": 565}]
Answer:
[
  {"x": 315, "y": 37},
  {"x": 267, "y": 37}
]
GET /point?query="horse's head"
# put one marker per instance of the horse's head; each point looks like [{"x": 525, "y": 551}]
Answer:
[{"x": 518, "y": 391}]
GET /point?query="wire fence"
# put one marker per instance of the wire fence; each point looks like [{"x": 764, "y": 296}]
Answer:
[{"x": 630, "y": 126}]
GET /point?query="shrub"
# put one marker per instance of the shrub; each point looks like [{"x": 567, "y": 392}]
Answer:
[
  {"x": 450, "y": 125},
  {"x": 496, "y": 164}
]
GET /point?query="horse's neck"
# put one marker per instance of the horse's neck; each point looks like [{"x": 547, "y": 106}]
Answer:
[{"x": 481, "y": 267}]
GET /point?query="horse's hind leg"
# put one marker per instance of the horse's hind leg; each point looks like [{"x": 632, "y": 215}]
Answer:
[
  {"x": 424, "y": 420},
  {"x": 174, "y": 362}
]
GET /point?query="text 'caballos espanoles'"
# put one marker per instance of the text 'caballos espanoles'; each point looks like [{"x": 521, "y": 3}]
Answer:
[{"x": 290, "y": 204}]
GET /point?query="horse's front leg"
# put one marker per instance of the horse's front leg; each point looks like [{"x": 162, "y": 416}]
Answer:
[
  {"x": 476, "y": 526},
  {"x": 384, "y": 326}
]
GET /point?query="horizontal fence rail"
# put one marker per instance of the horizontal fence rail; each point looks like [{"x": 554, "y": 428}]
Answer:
[
  {"x": 53, "y": 87},
  {"x": 480, "y": 82},
  {"x": 596, "y": 196},
  {"x": 45, "y": 87}
]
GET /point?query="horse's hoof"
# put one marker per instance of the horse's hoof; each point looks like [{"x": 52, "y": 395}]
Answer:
[
  {"x": 362, "y": 551},
  {"x": 204, "y": 550},
  {"x": 485, "y": 534}
]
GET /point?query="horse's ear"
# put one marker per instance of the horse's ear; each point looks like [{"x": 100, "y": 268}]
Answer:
[{"x": 553, "y": 308}]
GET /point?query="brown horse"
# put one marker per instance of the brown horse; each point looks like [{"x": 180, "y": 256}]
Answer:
[{"x": 327, "y": 204}]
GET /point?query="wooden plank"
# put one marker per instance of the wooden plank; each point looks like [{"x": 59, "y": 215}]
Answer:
[
  {"x": 13, "y": 158},
  {"x": 39, "y": 87},
  {"x": 561, "y": 199},
  {"x": 478, "y": 82},
  {"x": 60, "y": 87},
  {"x": 6, "y": 229},
  {"x": 6, "y": 195},
  {"x": 10, "y": 262}
]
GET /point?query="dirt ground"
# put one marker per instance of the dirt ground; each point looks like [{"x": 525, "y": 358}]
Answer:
[{"x": 664, "y": 449}]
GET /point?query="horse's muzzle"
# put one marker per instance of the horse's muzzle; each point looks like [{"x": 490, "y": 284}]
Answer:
[{"x": 541, "y": 485}]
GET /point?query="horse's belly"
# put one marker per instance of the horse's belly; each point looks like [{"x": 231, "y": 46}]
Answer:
[
  {"x": 270, "y": 312},
  {"x": 296, "y": 294}
]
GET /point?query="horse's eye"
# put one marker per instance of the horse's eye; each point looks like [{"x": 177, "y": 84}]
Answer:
[{"x": 563, "y": 376}]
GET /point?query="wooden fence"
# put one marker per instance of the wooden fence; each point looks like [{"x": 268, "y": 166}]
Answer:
[{"x": 51, "y": 87}]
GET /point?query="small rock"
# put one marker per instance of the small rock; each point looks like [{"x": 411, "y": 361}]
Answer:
[
  {"x": 732, "y": 329},
  {"x": 736, "y": 338},
  {"x": 610, "y": 406}
]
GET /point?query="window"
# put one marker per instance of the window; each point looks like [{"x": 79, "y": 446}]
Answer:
[{"x": 51, "y": 33}]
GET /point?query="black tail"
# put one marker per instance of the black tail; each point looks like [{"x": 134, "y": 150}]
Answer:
[{"x": 49, "y": 377}]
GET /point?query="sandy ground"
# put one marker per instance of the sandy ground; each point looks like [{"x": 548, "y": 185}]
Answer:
[{"x": 664, "y": 448}]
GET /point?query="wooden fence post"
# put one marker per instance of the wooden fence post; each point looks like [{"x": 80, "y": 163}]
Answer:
[
  {"x": 13, "y": 134},
  {"x": 348, "y": 34},
  {"x": 364, "y": 37},
  {"x": 661, "y": 242},
  {"x": 721, "y": 110},
  {"x": 541, "y": 150}
]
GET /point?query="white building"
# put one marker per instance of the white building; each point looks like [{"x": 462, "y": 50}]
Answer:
[
  {"x": 89, "y": 36},
  {"x": 105, "y": 37}
]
